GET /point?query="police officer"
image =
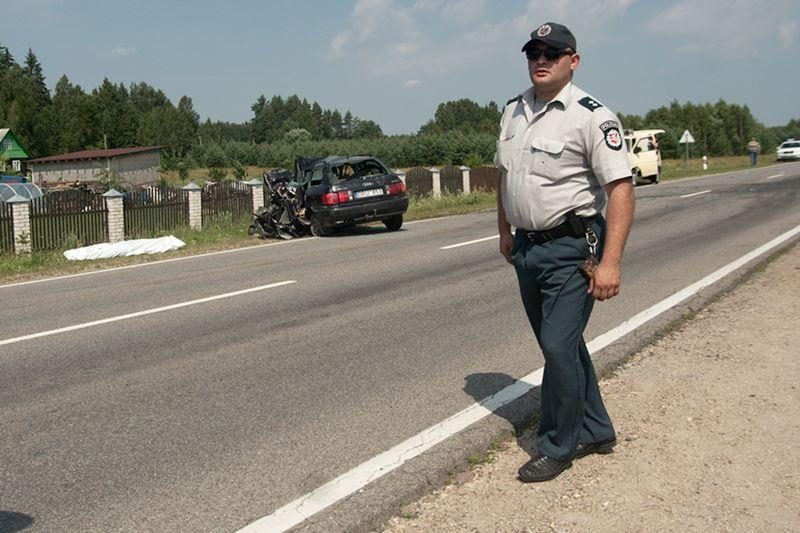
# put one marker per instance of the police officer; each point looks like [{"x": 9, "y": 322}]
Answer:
[{"x": 563, "y": 161}]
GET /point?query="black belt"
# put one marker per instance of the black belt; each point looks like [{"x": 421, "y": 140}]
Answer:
[{"x": 564, "y": 229}]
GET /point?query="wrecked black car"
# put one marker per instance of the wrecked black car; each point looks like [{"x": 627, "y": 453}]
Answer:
[
  {"x": 330, "y": 193},
  {"x": 343, "y": 191}
]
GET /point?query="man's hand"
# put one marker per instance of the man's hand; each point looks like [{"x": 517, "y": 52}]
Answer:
[
  {"x": 605, "y": 282},
  {"x": 506, "y": 244}
]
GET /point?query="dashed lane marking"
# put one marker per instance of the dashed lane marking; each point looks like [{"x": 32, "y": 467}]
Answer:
[
  {"x": 695, "y": 194},
  {"x": 141, "y": 313},
  {"x": 450, "y": 247}
]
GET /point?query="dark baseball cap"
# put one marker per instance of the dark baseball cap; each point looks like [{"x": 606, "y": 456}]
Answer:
[{"x": 553, "y": 34}]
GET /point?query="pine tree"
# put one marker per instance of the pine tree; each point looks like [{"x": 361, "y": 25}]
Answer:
[{"x": 33, "y": 71}]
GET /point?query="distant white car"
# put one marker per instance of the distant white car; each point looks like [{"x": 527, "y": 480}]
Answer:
[
  {"x": 789, "y": 150},
  {"x": 643, "y": 154}
]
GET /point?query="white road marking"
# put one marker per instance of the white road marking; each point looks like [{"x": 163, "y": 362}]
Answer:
[
  {"x": 302, "y": 508},
  {"x": 350, "y": 482},
  {"x": 774, "y": 176},
  {"x": 469, "y": 242},
  {"x": 141, "y": 313},
  {"x": 159, "y": 262},
  {"x": 695, "y": 194}
]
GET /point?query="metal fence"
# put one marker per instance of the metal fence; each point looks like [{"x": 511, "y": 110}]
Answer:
[
  {"x": 154, "y": 210},
  {"x": 484, "y": 178},
  {"x": 70, "y": 218},
  {"x": 419, "y": 181},
  {"x": 451, "y": 179},
  {"x": 231, "y": 200},
  {"x": 6, "y": 229}
]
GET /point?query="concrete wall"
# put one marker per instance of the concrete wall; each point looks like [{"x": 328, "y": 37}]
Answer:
[
  {"x": 66, "y": 171},
  {"x": 137, "y": 169},
  {"x": 134, "y": 169}
]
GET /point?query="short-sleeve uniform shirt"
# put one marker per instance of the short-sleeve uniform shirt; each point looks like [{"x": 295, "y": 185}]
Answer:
[{"x": 558, "y": 158}]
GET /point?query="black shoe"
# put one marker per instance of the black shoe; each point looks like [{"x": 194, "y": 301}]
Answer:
[
  {"x": 602, "y": 447},
  {"x": 542, "y": 468}
]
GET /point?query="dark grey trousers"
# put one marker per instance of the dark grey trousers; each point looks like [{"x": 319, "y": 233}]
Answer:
[{"x": 558, "y": 307}]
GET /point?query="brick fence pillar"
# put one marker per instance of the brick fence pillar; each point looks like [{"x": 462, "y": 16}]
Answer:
[
  {"x": 465, "y": 185},
  {"x": 437, "y": 183},
  {"x": 195, "y": 205},
  {"x": 21, "y": 220},
  {"x": 257, "y": 191},
  {"x": 115, "y": 218}
]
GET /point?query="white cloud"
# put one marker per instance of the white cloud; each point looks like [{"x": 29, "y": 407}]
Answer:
[
  {"x": 122, "y": 51},
  {"x": 463, "y": 12},
  {"x": 787, "y": 31},
  {"x": 436, "y": 37},
  {"x": 726, "y": 27},
  {"x": 412, "y": 83},
  {"x": 339, "y": 44}
]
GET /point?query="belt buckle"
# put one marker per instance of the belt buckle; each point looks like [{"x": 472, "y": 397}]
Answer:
[{"x": 539, "y": 237}]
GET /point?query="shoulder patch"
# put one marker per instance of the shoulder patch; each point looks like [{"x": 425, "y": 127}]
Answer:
[
  {"x": 590, "y": 103},
  {"x": 611, "y": 134},
  {"x": 517, "y": 99}
]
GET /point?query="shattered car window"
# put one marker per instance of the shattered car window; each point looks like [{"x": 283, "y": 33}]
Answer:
[
  {"x": 360, "y": 170},
  {"x": 316, "y": 176}
]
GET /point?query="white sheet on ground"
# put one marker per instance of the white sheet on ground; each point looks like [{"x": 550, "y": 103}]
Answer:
[{"x": 125, "y": 248}]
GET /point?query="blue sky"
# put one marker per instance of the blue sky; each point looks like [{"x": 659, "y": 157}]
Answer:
[{"x": 394, "y": 61}]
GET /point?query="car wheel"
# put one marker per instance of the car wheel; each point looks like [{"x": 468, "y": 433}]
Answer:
[
  {"x": 317, "y": 229},
  {"x": 393, "y": 223}
]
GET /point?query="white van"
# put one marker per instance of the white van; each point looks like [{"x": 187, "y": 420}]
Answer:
[{"x": 643, "y": 154}]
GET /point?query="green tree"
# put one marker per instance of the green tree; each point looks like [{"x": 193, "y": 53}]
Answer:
[
  {"x": 33, "y": 71},
  {"x": 116, "y": 116},
  {"x": 72, "y": 118},
  {"x": 463, "y": 115},
  {"x": 297, "y": 135},
  {"x": 367, "y": 129}
]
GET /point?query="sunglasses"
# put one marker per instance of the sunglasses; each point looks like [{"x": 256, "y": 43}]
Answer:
[{"x": 551, "y": 54}]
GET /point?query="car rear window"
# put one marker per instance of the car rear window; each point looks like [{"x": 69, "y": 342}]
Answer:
[
  {"x": 361, "y": 170},
  {"x": 791, "y": 145}
]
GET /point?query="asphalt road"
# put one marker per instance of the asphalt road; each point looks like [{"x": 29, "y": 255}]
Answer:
[{"x": 209, "y": 415}]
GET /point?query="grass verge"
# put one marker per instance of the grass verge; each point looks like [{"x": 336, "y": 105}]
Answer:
[{"x": 678, "y": 168}]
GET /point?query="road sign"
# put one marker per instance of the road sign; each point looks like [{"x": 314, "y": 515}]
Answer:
[{"x": 686, "y": 137}]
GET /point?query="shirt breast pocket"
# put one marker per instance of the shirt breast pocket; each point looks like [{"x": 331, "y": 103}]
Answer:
[
  {"x": 547, "y": 157},
  {"x": 507, "y": 152}
]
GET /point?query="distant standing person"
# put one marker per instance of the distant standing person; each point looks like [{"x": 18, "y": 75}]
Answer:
[
  {"x": 753, "y": 148},
  {"x": 562, "y": 159}
]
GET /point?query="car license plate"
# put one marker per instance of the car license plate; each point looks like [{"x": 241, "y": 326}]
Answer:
[{"x": 368, "y": 193}]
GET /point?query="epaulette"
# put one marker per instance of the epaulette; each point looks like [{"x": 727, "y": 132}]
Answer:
[
  {"x": 590, "y": 103},
  {"x": 517, "y": 99}
]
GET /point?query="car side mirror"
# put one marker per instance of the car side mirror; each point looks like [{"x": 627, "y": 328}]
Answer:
[{"x": 637, "y": 149}]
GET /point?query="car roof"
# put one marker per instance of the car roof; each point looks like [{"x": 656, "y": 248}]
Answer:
[
  {"x": 335, "y": 160},
  {"x": 643, "y": 133}
]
